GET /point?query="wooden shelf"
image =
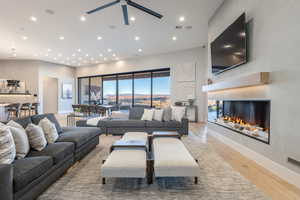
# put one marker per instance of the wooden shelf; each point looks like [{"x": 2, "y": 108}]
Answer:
[{"x": 260, "y": 78}]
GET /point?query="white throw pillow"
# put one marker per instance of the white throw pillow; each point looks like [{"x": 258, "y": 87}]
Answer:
[
  {"x": 21, "y": 141},
  {"x": 178, "y": 112},
  {"x": 14, "y": 124},
  {"x": 158, "y": 115},
  {"x": 7, "y": 146},
  {"x": 49, "y": 130},
  {"x": 36, "y": 137},
  {"x": 148, "y": 114}
]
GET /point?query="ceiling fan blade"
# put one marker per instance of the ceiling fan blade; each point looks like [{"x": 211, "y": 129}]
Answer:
[
  {"x": 147, "y": 10},
  {"x": 104, "y": 6},
  {"x": 125, "y": 14}
]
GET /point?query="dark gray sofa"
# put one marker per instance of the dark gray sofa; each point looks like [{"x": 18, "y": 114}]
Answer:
[
  {"x": 134, "y": 123},
  {"x": 27, "y": 178}
]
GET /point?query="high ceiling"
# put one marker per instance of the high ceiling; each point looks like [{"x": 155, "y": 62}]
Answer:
[{"x": 22, "y": 37}]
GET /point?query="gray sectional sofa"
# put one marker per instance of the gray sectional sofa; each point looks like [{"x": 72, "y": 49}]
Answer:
[
  {"x": 134, "y": 123},
  {"x": 27, "y": 178}
]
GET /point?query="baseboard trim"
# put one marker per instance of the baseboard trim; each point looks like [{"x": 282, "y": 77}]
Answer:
[{"x": 279, "y": 170}]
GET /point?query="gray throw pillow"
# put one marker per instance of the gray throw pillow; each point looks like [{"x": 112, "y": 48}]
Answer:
[
  {"x": 167, "y": 114},
  {"x": 7, "y": 146},
  {"x": 36, "y": 137},
  {"x": 20, "y": 139}
]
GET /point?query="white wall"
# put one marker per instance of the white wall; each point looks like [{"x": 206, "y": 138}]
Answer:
[
  {"x": 176, "y": 60},
  {"x": 274, "y": 46},
  {"x": 50, "y": 103}
]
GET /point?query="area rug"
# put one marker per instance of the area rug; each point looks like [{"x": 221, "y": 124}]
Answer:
[{"x": 217, "y": 180}]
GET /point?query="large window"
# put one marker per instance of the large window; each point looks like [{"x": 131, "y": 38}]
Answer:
[
  {"x": 125, "y": 83},
  {"x": 147, "y": 88},
  {"x": 109, "y": 90},
  {"x": 161, "y": 89},
  {"x": 142, "y": 89}
]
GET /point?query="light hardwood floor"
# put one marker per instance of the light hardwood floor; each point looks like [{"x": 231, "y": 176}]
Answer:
[{"x": 270, "y": 184}]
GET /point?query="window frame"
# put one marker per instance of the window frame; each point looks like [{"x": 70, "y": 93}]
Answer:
[{"x": 117, "y": 83}]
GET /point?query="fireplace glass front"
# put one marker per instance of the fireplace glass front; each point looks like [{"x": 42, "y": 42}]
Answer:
[{"x": 250, "y": 118}]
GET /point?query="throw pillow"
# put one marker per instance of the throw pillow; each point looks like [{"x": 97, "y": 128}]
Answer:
[
  {"x": 49, "y": 130},
  {"x": 167, "y": 114},
  {"x": 178, "y": 113},
  {"x": 158, "y": 115},
  {"x": 148, "y": 114},
  {"x": 14, "y": 124},
  {"x": 21, "y": 141},
  {"x": 36, "y": 137},
  {"x": 7, "y": 146}
]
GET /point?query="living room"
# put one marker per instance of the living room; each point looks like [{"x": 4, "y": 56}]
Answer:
[{"x": 204, "y": 108}]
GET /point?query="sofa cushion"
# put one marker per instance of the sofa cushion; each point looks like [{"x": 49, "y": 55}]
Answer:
[
  {"x": 155, "y": 124},
  {"x": 28, "y": 169},
  {"x": 37, "y": 118},
  {"x": 78, "y": 135},
  {"x": 24, "y": 122},
  {"x": 58, "y": 151},
  {"x": 136, "y": 113},
  {"x": 125, "y": 123},
  {"x": 172, "y": 124}
]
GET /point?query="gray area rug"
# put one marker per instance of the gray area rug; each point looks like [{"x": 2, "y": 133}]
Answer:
[{"x": 216, "y": 181}]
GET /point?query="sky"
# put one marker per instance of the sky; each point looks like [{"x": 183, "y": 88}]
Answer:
[{"x": 161, "y": 85}]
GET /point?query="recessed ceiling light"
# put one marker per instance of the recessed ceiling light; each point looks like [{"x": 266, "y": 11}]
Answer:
[
  {"x": 132, "y": 18},
  {"x": 47, "y": 55},
  {"x": 82, "y": 18},
  {"x": 68, "y": 58},
  {"x": 14, "y": 55},
  {"x": 114, "y": 55},
  {"x": 181, "y": 19},
  {"x": 137, "y": 38},
  {"x": 104, "y": 59},
  {"x": 238, "y": 53},
  {"x": 78, "y": 64},
  {"x": 174, "y": 38},
  {"x": 33, "y": 18},
  {"x": 79, "y": 50},
  {"x": 242, "y": 34},
  {"x": 59, "y": 55},
  {"x": 49, "y": 50},
  {"x": 109, "y": 50},
  {"x": 99, "y": 38},
  {"x": 86, "y": 55},
  {"x": 61, "y": 37},
  {"x": 24, "y": 37},
  {"x": 100, "y": 54},
  {"x": 55, "y": 58},
  {"x": 73, "y": 54},
  {"x": 36, "y": 55},
  {"x": 140, "y": 50},
  {"x": 79, "y": 58}
]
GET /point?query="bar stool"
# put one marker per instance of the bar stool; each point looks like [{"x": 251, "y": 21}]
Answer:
[
  {"x": 34, "y": 109},
  {"x": 101, "y": 110},
  {"x": 85, "y": 110},
  {"x": 13, "y": 111},
  {"x": 25, "y": 109},
  {"x": 76, "y": 108}
]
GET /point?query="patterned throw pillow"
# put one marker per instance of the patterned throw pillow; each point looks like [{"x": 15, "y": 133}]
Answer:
[
  {"x": 49, "y": 130},
  {"x": 36, "y": 137},
  {"x": 7, "y": 146},
  {"x": 178, "y": 113}
]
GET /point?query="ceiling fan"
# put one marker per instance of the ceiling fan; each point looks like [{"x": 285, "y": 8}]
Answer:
[{"x": 124, "y": 4}]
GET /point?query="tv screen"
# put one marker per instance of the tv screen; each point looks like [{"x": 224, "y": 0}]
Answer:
[{"x": 229, "y": 49}]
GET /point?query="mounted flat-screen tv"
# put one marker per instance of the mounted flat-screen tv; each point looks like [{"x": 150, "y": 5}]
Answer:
[{"x": 229, "y": 49}]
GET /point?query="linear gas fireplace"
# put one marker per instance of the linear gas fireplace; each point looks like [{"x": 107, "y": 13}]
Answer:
[{"x": 250, "y": 117}]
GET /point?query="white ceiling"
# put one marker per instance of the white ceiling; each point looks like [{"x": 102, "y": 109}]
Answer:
[{"x": 155, "y": 35}]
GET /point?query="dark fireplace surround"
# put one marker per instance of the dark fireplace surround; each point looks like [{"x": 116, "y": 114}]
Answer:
[{"x": 247, "y": 117}]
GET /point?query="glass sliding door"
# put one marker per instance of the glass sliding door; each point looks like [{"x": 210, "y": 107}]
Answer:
[
  {"x": 125, "y": 89},
  {"x": 161, "y": 89},
  {"x": 142, "y": 89},
  {"x": 109, "y": 90},
  {"x": 83, "y": 84},
  {"x": 96, "y": 90}
]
